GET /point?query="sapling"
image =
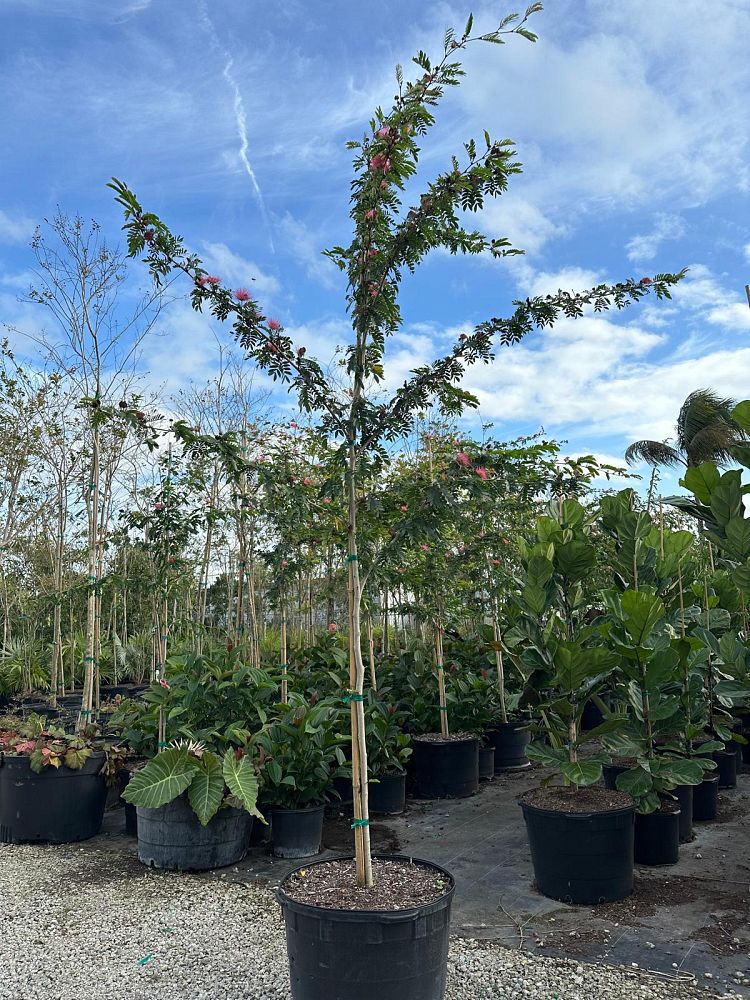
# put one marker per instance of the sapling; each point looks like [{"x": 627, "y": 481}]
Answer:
[{"x": 388, "y": 240}]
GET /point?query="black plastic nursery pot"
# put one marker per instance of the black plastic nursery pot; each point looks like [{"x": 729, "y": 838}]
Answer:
[
  {"x": 592, "y": 715},
  {"x": 445, "y": 768},
  {"x": 342, "y": 785},
  {"x": 684, "y": 795},
  {"x": 657, "y": 837},
  {"x": 706, "y": 798},
  {"x": 297, "y": 833},
  {"x": 581, "y": 857},
  {"x": 387, "y": 794},
  {"x": 59, "y": 806},
  {"x": 172, "y": 837},
  {"x": 368, "y": 954},
  {"x": 486, "y": 763},
  {"x": 510, "y": 740},
  {"x": 611, "y": 772},
  {"x": 726, "y": 767}
]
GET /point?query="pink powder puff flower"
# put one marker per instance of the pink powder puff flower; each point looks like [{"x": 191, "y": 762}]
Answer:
[
  {"x": 200, "y": 280},
  {"x": 646, "y": 281},
  {"x": 404, "y": 508},
  {"x": 373, "y": 290},
  {"x": 481, "y": 472},
  {"x": 463, "y": 459},
  {"x": 372, "y": 252},
  {"x": 284, "y": 563},
  {"x": 425, "y": 547},
  {"x": 306, "y": 481},
  {"x": 242, "y": 295},
  {"x": 383, "y": 132},
  {"x": 371, "y": 213},
  {"x": 294, "y": 425},
  {"x": 383, "y": 185},
  {"x": 165, "y": 684},
  {"x": 213, "y": 280},
  {"x": 273, "y": 324},
  {"x": 495, "y": 562},
  {"x": 377, "y": 162},
  {"x": 326, "y": 500},
  {"x": 332, "y": 627},
  {"x": 301, "y": 351}
]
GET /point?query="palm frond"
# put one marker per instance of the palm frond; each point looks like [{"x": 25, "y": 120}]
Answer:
[{"x": 652, "y": 452}]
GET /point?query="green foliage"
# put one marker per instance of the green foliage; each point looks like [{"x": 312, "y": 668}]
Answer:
[{"x": 211, "y": 781}]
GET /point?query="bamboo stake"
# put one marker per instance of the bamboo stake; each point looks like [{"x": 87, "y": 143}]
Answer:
[
  {"x": 371, "y": 647},
  {"x": 441, "y": 681},
  {"x": 284, "y": 664}
]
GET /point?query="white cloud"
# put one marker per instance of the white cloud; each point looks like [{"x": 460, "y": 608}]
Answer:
[
  {"x": 516, "y": 218},
  {"x": 239, "y": 272},
  {"x": 747, "y": 252},
  {"x": 644, "y": 247},
  {"x": 15, "y": 228},
  {"x": 306, "y": 247}
]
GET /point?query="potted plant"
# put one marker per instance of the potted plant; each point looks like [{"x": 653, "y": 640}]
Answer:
[
  {"x": 648, "y": 662},
  {"x": 195, "y": 807},
  {"x": 389, "y": 749},
  {"x": 581, "y": 836},
  {"x": 387, "y": 244},
  {"x": 52, "y": 784},
  {"x": 299, "y": 750}
]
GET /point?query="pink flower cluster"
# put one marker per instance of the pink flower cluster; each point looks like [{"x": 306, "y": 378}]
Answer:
[
  {"x": 242, "y": 295},
  {"x": 380, "y": 162}
]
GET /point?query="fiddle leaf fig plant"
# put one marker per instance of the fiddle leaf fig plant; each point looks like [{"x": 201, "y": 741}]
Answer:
[
  {"x": 648, "y": 663},
  {"x": 566, "y": 660}
]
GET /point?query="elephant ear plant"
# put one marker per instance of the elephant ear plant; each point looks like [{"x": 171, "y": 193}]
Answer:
[
  {"x": 389, "y": 240},
  {"x": 212, "y": 781}
]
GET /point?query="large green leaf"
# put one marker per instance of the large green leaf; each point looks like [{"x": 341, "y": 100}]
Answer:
[
  {"x": 207, "y": 788},
  {"x": 575, "y": 559},
  {"x": 242, "y": 780},
  {"x": 538, "y": 571},
  {"x": 701, "y": 480},
  {"x": 582, "y": 772},
  {"x": 737, "y": 530},
  {"x": 726, "y": 498},
  {"x": 641, "y": 610},
  {"x": 662, "y": 667},
  {"x": 161, "y": 780},
  {"x": 741, "y": 414},
  {"x": 635, "y": 782},
  {"x": 741, "y": 577}
]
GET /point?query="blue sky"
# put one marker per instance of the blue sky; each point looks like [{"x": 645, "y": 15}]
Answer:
[{"x": 229, "y": 119}]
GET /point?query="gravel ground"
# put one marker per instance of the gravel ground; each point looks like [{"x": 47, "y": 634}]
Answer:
[{"x": 78, "y": 924}]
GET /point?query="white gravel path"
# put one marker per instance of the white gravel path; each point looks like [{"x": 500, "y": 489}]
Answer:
[{"x": 79, "y": 924}]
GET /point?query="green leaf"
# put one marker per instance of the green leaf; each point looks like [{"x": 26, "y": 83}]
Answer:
[
  {"x": 641, "y": 610},
  {"x": 701, "y": 480},
  {"x": 726, "y": 498},
  {"x": 575, "y": 559},
  {"x": 635, "y": 782},
  {"x": 207, "y": 788},
  {"x": 737, "y": 530},
  {"x": 581, "y": 772},
  {"x": 242, "y": 780},
  {"x": 161, "y": 780},
  {"x": 741, "y": 414}
]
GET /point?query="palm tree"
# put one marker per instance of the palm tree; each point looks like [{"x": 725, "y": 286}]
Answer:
[{"x": 706, "y": 432}]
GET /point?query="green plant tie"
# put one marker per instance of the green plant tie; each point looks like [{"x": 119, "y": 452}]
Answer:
[
  {"x": 352, "y": 558},
  {"x": 359, "y": 822},
  {"x": 440, "y": 666},
  {"x": 146, "y": 958},
  {"x": 352, "y": 696},
  {"x": 351, "y": 440},
  {"x": 85, "y": 711},
  {"x": 442, "y": 708},
  {"x": 164, "y": 638},
  {"x": 162, "y": 745},
  {"x": 89, "y": 659}
]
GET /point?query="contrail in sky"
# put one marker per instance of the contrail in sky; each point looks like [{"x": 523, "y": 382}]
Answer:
[{"x": 240, "y": 117}]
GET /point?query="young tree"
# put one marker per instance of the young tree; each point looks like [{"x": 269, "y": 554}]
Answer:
[{"x": 388, "y": 241}]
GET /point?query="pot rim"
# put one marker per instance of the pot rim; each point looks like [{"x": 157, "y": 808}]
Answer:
[
  {"x": 444, "y": 742},
  {"x": 372, "y": 916},
  {"x": 305, "y": 809},
  {"x": 542, "y": 811}
]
